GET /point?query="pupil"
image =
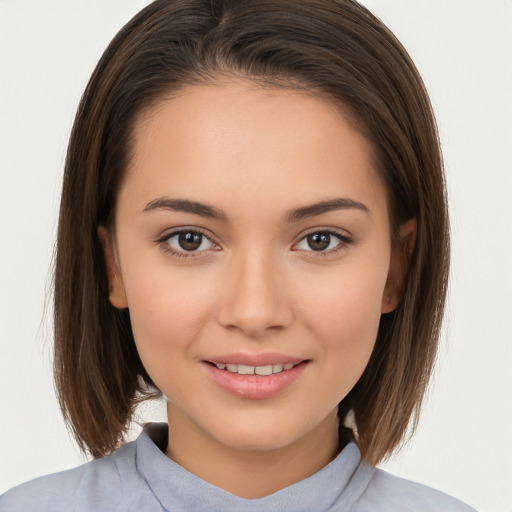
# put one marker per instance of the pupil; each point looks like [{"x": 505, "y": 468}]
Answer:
[
  {"x": 190, "y": 241},
  {"x": 319, "y": 241}
]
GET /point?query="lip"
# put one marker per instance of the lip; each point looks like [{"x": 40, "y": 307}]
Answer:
[{"x": 255, "y": 387}]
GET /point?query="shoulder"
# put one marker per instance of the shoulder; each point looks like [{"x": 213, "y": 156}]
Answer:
[
  {"x": 389, "y": 493},
  {"x": 102, "y": 481}
]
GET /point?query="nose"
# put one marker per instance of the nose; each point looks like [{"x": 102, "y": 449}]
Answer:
[{"x": 255, "y": 299}]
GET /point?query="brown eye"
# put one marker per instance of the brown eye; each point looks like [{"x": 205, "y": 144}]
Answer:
[
  {"x": 190, "y": 241},
  {"x": 323, "y": 242},
  {"x": 319, "y": 241}
]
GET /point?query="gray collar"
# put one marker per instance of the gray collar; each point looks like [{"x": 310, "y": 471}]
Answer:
[{"x": 334, "y": 487}]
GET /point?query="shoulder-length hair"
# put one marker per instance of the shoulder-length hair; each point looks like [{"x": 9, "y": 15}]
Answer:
[{"x": 335, "y": 49}]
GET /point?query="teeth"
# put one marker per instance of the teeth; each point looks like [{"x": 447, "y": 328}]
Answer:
[
  {"x": 263, "y": 370},
  {"x": 243, "y": 369}
]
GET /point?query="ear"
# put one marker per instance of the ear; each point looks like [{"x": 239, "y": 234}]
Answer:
[
  {"x": 117, "y": 295},
  {"x": 398, "y": 265}
]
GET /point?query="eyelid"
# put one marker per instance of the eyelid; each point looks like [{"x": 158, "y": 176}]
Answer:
[
  {"x": 162, "y": 240},
  {"x": 344, "y": 238}
]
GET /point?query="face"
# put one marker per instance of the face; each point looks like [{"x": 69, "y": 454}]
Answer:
[{"x": 252, "y": 248}]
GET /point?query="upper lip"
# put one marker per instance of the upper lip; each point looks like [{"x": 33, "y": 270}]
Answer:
[{"x": 263, "y": 359}]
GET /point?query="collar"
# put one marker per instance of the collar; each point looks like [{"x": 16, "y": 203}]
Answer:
[{"x": 178, "y": 490}]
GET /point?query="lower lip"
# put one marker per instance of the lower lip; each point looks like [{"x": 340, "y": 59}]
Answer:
[{"x": 255, "y": 387}]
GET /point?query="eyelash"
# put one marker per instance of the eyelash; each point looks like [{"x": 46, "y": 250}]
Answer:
[
  {"x": 343, "y": 239},
  {"x": 163, "y": 242}
]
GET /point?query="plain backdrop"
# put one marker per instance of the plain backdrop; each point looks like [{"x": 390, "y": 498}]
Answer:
[{"x": 48, "y": 49}]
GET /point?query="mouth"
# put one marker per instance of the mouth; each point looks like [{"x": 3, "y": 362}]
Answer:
[{"x": 260, "y": 380}]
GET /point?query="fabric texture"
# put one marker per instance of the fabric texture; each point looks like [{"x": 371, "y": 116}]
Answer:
[{"x": 139, "y": 477}]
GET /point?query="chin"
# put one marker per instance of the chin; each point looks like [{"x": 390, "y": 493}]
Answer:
[{"x": 250, "y": 435}]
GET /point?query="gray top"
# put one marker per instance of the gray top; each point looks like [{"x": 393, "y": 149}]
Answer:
[{"x": 139, "y": 477}]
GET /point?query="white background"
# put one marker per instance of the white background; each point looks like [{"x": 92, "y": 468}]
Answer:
[{"x": 48, "y": 49}]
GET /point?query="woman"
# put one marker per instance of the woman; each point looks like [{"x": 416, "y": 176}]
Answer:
[{"x": 199, "y": 254}]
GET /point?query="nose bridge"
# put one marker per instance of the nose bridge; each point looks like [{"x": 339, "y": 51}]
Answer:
[{"x": 255, "y": 300}]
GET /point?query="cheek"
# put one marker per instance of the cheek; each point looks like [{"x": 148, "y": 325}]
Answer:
[
  {"x": 347, "y": 298},
  {"x": 343, "y": 311},
  {"x": 168, "y": 310}
]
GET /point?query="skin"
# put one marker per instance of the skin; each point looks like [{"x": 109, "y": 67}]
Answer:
[{"x": 254, "y": 154}]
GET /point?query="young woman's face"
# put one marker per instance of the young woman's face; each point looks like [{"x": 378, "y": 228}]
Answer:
[{"x": 252, "y": 234}]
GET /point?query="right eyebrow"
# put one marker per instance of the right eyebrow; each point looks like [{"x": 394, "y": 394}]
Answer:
[{"x": 187, "y": 206}]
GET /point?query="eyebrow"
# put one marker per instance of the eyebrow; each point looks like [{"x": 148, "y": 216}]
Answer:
[
  {"x": 187, "y": 206},
  {"x": 340, "y": 203},
  {"x": 294, "y": 215}
]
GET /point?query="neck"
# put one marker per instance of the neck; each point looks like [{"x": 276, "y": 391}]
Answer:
[{"x": 250, "y": 473}]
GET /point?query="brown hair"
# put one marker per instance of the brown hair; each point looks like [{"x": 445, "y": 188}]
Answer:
[{"x": 333, "y": 48}]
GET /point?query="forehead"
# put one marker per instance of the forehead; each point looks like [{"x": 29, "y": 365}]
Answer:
[{"x": 239, "y": 140}]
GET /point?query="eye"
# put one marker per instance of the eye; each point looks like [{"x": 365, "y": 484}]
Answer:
[
  {"x": 323, "y": 241},
  {"x": 187, "y": 241}
]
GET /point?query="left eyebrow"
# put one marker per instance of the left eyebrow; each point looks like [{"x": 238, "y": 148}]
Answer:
[{"x": 340, "y": 203}]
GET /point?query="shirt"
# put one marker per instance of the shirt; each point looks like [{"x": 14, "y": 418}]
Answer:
[{"x": 139, "y": 477}]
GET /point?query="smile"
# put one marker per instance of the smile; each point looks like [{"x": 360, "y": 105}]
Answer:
[
  {"x": 260, "y": 380},
  {"x": 242, "y": 369}
]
